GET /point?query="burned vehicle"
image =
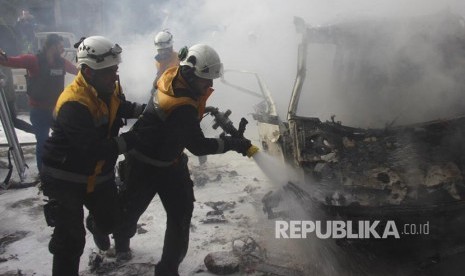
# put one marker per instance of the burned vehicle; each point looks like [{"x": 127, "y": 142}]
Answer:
[{"x": 376, "y": 123}]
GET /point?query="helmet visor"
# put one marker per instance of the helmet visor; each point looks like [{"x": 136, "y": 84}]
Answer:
[
  {"x": 163, "y": 44},
  {"x": 213, "y": 71}
]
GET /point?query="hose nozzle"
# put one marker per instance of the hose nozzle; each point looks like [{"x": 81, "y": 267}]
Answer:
[{"x": 252, "y": 151}]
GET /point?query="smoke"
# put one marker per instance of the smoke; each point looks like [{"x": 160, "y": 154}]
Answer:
[
  {"x": 407, "y": 70},
  {"x": 259, "y": 36}
]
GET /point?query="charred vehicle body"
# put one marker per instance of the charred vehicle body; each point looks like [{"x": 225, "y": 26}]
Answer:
[{"x": 376, "y": 124}]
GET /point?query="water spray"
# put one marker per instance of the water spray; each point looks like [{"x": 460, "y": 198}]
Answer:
[{"x": 222, "y": 120}]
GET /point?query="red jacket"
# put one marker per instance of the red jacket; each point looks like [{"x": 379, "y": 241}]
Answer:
[{"x": 30, "y": 62}]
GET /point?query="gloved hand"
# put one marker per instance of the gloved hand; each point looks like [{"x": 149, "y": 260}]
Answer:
[{"x": 240, "y": 145}]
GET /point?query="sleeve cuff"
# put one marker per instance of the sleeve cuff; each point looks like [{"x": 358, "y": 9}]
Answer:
[{"x": 220, "y": 145}]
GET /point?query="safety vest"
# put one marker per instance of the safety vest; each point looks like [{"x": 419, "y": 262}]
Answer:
[
  {"x": 166, "y": 101},
  {"x": 48, "y": 84},
  {"x": 80, "y": 91}
]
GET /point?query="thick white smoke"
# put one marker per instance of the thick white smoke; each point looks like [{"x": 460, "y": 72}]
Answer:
[{"x": 257, "y": 36}]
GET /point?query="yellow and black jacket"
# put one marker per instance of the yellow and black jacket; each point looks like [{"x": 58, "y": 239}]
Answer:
[
  {"x": 81, "y": 143},
  {"x": 175, "y": 113}
]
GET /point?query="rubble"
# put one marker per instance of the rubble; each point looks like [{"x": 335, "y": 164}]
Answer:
[
  {"x": 215, "y": 216},
  {"x": 222, "y": 262},
  {"x": 248, "y": 258},
  {"x": 221, "y": 205}
]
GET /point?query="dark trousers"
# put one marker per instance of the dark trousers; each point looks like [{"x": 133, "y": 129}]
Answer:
[
  {"x": 68, "y": 238},
  {"x": 41, "y": 120},
  {"x": 175, "y": 189}
]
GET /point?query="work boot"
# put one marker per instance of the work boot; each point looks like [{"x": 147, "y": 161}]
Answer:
[
  {"x": 122, "y": 257},
  {"x": 101, "y": 240},
  {"x": 123, "y": 252}
]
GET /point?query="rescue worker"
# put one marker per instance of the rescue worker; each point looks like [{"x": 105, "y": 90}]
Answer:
[
  {"x": 175, "y": 110},
  {"x": 166, "y": 57},
  {"x": 80, "y": 155},
  {"x": 45, "y": 80}
]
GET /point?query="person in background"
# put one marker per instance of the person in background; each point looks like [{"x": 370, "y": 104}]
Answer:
[
  {"x": 25, "y": 27},
  {"x": 80, "y": 155},
  {"x": 159, "y": 166},
  {"x": 166, "y": 57},
  {"x": 45, "y": 80},
  {"x": 7, "y": 87}
]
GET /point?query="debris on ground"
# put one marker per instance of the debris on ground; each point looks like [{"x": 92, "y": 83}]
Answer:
[
  {"x": 100, "y": 265},
  {"x": 221, "y": 205},
  {"x": 11, "y": 238},
  {"x": 18, "y": 273},
  {"x": 215, "y": 216},
  {"x": 246, "y": 257},
  {"x": 222, "y": 262}
]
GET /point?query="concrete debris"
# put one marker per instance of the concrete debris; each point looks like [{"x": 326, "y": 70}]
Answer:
[
  {"x": 99, "y": 264},
  {"x": 141, "y": 229},
  {"x": 248, "y": 246},
  {"x": 95, "y": 261},
  {"x": 215, "y": 216},
  {"x": 222, "y": 262},
  {"x": 221, "y": 205},
  {"x": 200, "y": 178}
]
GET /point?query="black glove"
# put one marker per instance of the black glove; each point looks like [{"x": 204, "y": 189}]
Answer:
[{"x": 240, "y": 145}]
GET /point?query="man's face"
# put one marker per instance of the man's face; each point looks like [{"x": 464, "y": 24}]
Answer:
[
  {"x": 164, "y": 54},
  {"x": 57, "y": 50},
  {"x": 104, "y": 79},
  {"x": 203, "y": 85}
]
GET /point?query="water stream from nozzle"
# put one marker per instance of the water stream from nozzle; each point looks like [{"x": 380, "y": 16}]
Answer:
[{"x": 277, "y": 172}]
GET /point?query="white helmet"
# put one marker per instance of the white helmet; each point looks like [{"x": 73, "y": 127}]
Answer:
[
  {"x": 98, "y": 52},
  {"x": 205, "y": 60},
  {"x": 163, "y": 40}
]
